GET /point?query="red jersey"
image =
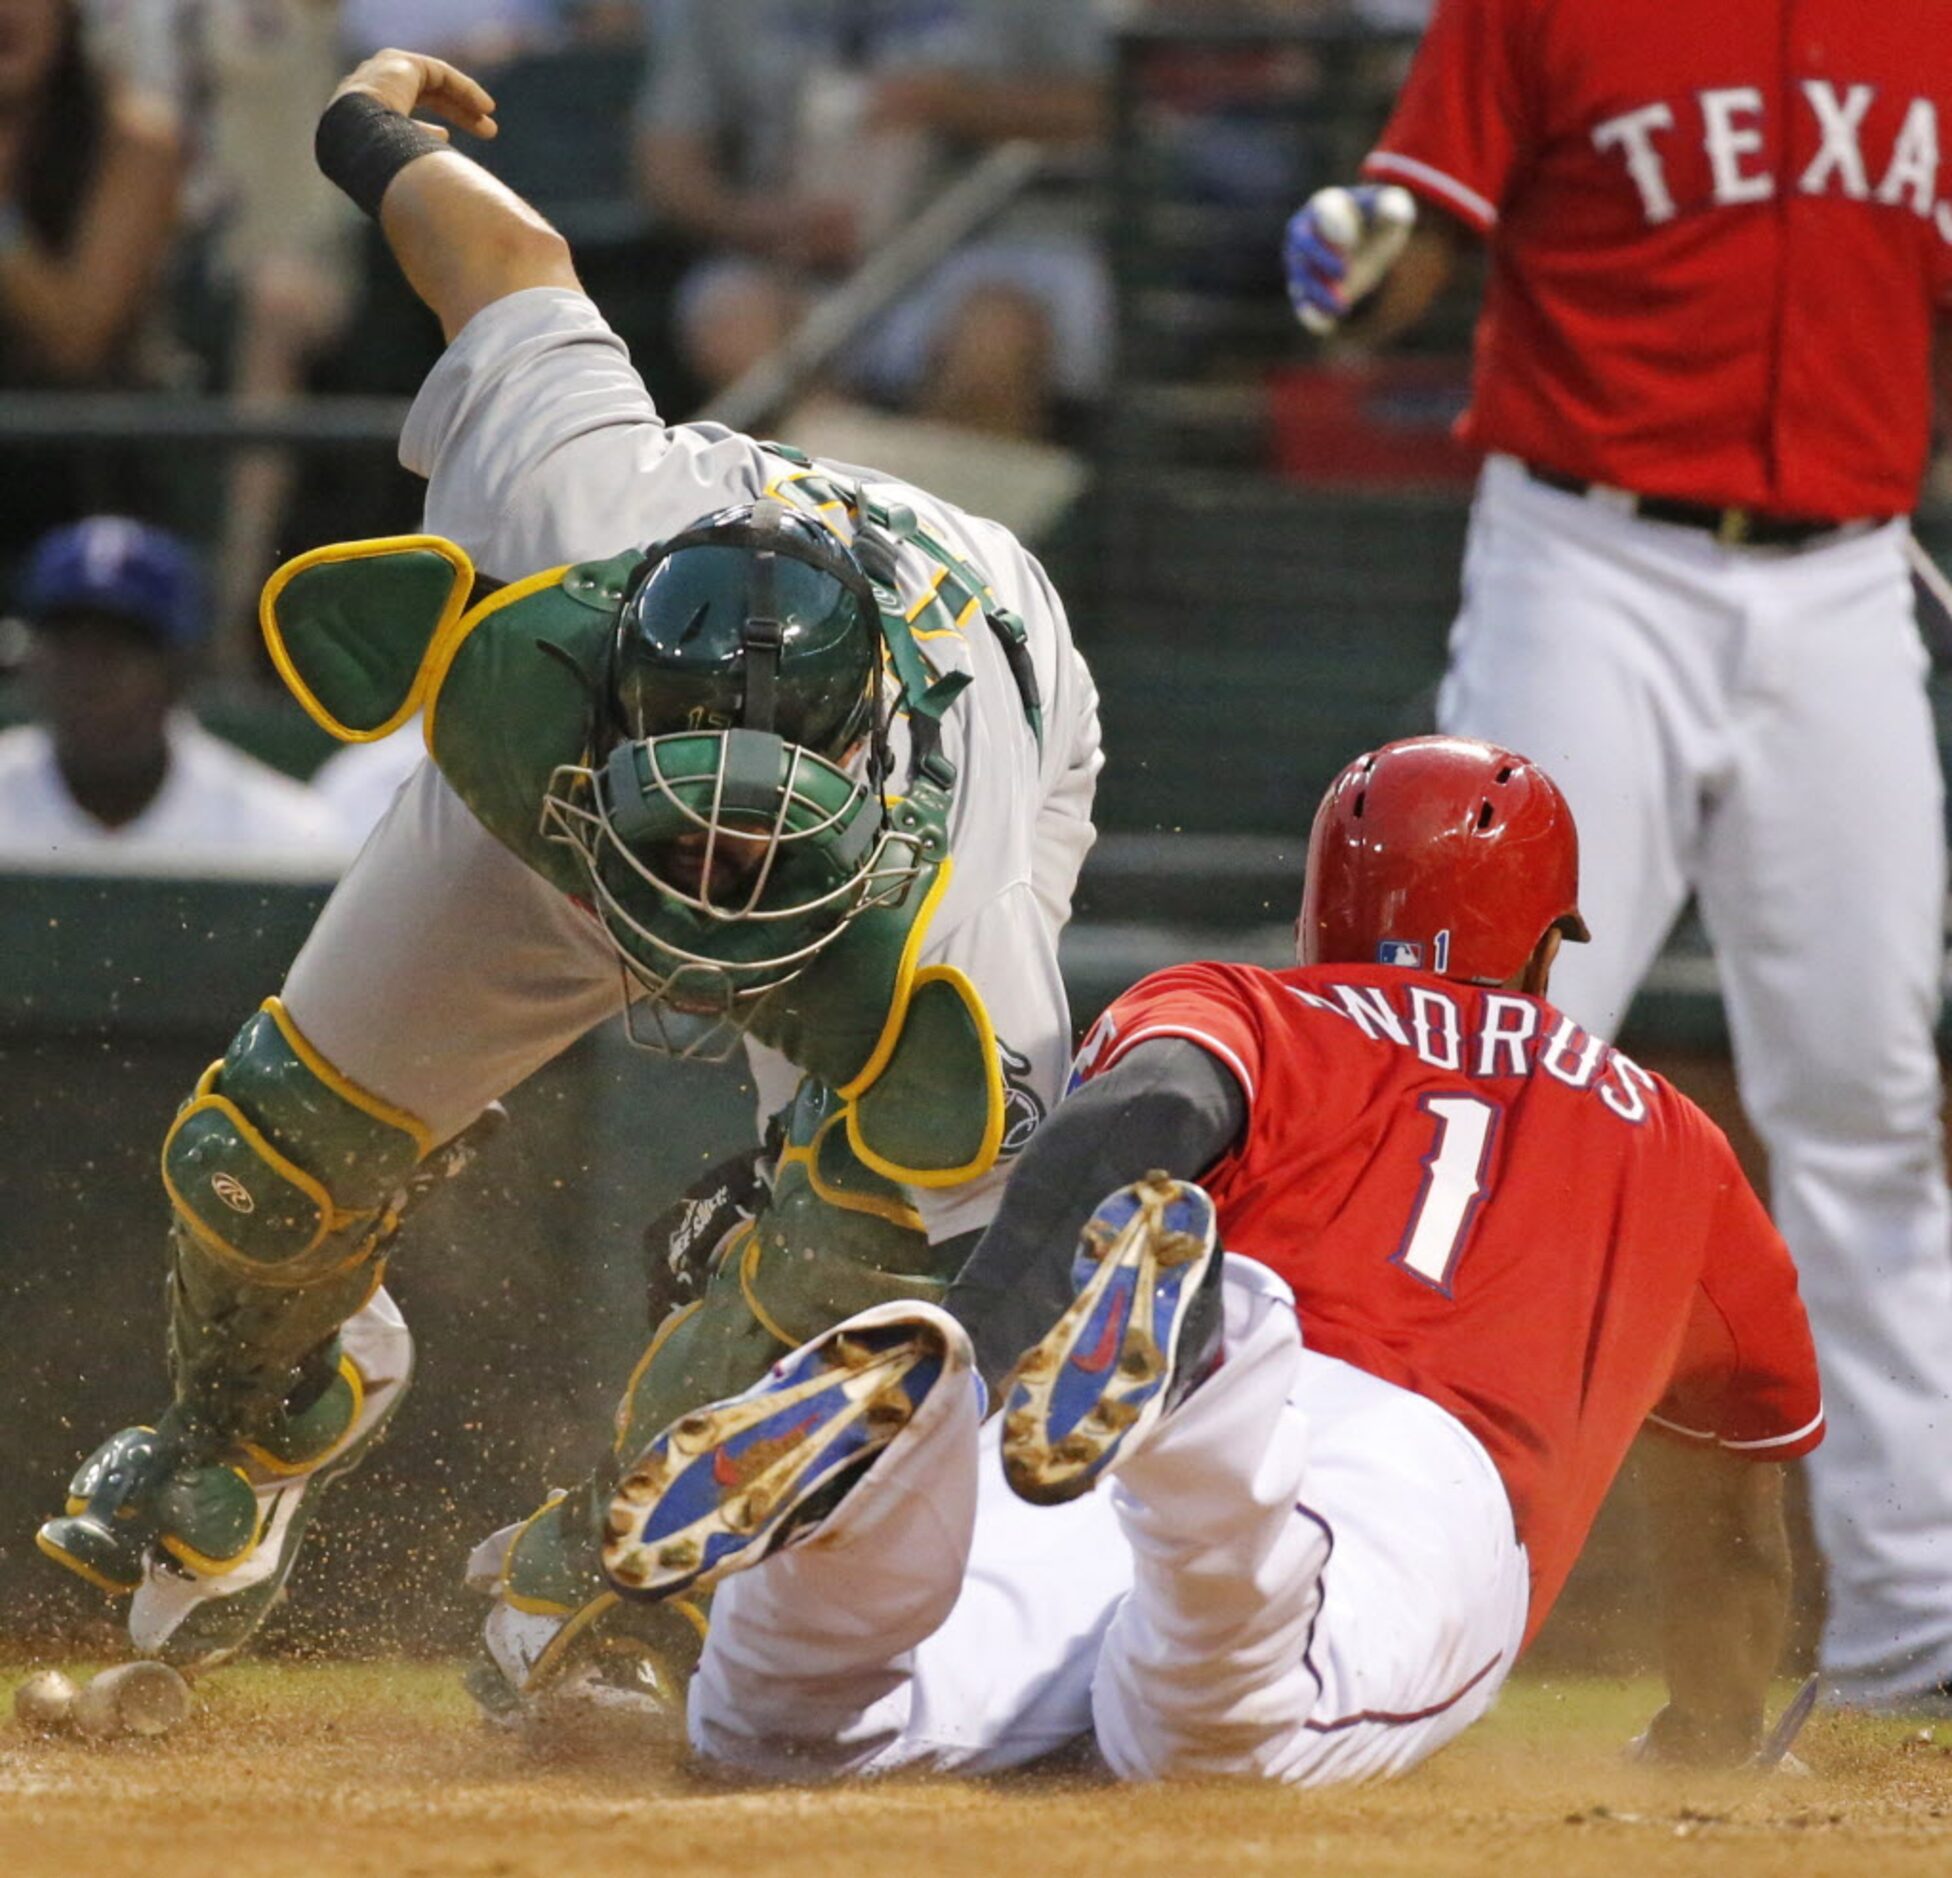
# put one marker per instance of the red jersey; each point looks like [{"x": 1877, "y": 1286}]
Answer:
[
  {"x": 1718, "y": 236},
  {"x": 1474, "y": 1199}
]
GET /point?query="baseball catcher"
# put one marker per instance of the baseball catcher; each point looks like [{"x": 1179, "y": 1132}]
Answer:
[{"x": 756, "y": 749}]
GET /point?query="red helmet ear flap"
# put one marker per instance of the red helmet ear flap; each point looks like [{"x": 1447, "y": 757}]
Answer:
[{"x": 1442, "y": 854}]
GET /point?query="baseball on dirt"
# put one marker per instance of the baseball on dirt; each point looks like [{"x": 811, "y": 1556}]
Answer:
[
  {"x": 45, "y": 1700},
  {"x": 134, "y": 1699}
]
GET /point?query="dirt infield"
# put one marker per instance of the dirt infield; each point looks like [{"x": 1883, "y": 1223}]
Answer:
[{"x": 324, "y": 1771}]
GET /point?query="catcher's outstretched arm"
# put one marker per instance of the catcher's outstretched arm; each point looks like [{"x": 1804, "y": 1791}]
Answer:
[{"x": 462, "y": 239}]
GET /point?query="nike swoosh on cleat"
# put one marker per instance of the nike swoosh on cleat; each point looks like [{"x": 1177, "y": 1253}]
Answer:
[
  {"x": 734, "y": 1470},
  {"x": 1102, "y": 1352}
]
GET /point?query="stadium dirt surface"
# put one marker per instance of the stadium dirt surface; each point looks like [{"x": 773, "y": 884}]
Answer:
[{"x": 383, "y": 1770}]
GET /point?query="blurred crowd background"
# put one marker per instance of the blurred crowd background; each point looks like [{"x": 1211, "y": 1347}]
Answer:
[{"x": 1023, "y": 251}]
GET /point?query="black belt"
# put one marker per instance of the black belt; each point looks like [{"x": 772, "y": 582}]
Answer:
[{"x": 1733, "y": 528}]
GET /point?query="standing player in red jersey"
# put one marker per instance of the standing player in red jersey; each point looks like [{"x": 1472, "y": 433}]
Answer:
[
  {"x": 1470, "y": 1250},
  {"x": 1719, "y": 241}
]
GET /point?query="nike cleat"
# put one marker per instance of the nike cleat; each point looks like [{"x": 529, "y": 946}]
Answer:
[
  {"x": 1142, "y": 1332},
  {"x": 726, "y": 1485}
]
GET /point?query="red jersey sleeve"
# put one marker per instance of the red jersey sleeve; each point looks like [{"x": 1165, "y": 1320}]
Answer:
[
  {"x": 1204, "y": 1004},
  {"x": 1463, "y": 122},
  {"x": 1746, "y": 1376}
]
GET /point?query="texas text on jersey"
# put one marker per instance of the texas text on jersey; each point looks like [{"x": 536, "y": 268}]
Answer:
[
  {"x": 1695, "y": 152},
  {"x": 1473, "y": 1198}
]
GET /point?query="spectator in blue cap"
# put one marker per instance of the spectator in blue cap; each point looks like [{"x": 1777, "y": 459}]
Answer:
[{"x": 112, "y": 764}]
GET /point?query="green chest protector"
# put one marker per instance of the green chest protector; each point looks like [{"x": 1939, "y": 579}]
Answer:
[{"x": 367, "y": 633}]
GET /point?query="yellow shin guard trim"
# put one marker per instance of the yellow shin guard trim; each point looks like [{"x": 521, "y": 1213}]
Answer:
[
  {"x": 264, "y": 1458},
  {"x": 692, "y": 1615},
  {"x": 876, "y": 1205},
  {"x": 81, "y": 1569},
  {"x": 329, "y": 1218},
  {"x": 343, "y": 1085},
  {"x": 659, "y": 1338},
  {"x": 549, "y": 1665},
  {"x": 532, "y": 1607},
  {"x": 748, "y": 1264},
  {"x": 201, "y": 1563}
]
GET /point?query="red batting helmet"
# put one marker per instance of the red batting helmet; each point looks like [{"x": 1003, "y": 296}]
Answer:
[{"x": 1441, "y": 853}]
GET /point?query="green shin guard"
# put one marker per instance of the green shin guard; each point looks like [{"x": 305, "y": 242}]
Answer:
[
  {"x": 283, "y": 1176},
  {"x": 833, "y": 1238},
  {"x": 287, "y": 1183},
  {"x": 703, "y": 1350},
  {"x": 182, "y": 1487},
  {"x": 145, "y": 1485},
  {"x": 204, "y": 1529},
  {"x": 559, "y": 1636}
]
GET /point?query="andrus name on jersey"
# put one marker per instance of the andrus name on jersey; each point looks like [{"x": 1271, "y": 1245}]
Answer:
[
  {"x": 1506, "y": 1038},
  {"x": 1733, "y": 123}
]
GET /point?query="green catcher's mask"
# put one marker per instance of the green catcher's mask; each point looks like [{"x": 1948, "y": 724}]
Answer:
[{"x": 732, "y": 824}]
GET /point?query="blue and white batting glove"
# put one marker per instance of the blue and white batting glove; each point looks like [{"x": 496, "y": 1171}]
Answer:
[
  {"x": 1315, "y": 269},
  {"x": 1339, "y": 244}
]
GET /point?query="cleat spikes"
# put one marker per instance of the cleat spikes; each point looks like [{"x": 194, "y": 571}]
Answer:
[
  {"x": 744, "y": 1514},
  {"x": 689, "y": 1436},
  {"x": 1140, "y": 1331},
  {"x": 726, "y": 1485},
  {"x": 680, "y": 1555},
  {"x": 889, "y": 1412}
]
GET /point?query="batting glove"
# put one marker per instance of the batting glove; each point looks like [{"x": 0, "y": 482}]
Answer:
[{"x": 1339, "y": 244}]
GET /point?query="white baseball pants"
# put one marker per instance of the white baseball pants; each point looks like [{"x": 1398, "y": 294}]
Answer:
[
  {"x": 1752, "y": 725},
  {"x": 1306, "y": 1574}
]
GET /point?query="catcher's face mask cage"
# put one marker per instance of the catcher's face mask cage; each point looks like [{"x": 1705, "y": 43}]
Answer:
[
  {"x": 721, "y": 864},
  {"x": 723, "y": 856}
]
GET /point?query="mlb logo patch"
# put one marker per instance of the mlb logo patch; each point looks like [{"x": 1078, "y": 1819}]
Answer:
[{"x": 1400, "y": 952}]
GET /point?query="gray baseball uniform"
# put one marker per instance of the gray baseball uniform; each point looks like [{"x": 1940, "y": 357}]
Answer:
[{"x": 443, "y": 971}]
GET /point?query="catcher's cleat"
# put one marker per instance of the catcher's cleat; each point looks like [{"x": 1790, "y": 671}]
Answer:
[
  {"x": 726, "y": 1485},
  {"x": 1142, "y": 1332},
  {"x": 560, "y": 1648},
  {"x": 195, "y": 1613}
]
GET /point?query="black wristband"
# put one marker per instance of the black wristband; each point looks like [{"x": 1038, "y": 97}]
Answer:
[{"x": 362, "y": 144}]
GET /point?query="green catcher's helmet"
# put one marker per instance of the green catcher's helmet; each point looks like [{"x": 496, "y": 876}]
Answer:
[
  {"x": 734, "y": 824},
  {"x": 754, "y": 619}
]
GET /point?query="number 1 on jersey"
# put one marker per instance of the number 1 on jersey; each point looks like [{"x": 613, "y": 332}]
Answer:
[{"x": 1453, "y": 1187}]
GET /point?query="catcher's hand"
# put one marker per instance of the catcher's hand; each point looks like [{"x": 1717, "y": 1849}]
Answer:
[
  {"x": 410, "y": 81},
  {"x": 1340, "y": 243}
]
